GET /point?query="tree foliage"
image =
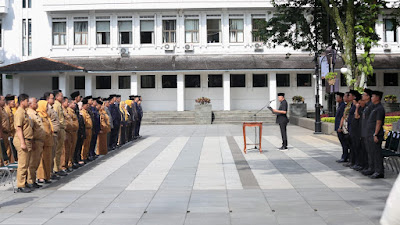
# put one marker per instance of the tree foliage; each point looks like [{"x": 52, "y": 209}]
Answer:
[{"x": 350, "y": 24}]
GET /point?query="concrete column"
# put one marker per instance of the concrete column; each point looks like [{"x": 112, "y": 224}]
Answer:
[
  {"x": 7, "y": 85},
  {"x": 180, "y": 95},
  {"x": 63, "y": 84},
  {"x": 227, "y": 91},
  {"x": 272, "y": 89},
  {"x": 134, "y": 84},
  {"x": 16, "y": 84},
  {"x": 225, "y": 28},
  {"x": 88, "y": 84}
]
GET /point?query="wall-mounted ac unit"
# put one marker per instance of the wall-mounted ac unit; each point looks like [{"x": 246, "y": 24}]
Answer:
[
  {"x": 386, "y": 48},
  {"x": 189, "y": 48},
  {"x": 258, "y": 47},
  {"x": 169, "y": 47},
  {"x": 124, "y": 52}
]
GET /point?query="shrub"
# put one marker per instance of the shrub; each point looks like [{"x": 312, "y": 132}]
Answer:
[
  {"x": 390, "y": 98},
  {"x": 388, "y": 119},
  {"x": 328, "y": 119},
  {"x": 203, "y": 101},
  {"x": 298, "y": 99}
]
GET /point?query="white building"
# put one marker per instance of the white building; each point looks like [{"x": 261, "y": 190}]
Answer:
[{"x": 169, "y": 52}]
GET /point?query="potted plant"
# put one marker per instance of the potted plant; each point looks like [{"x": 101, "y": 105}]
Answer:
[
  {"x": 203, "y": 112},
  {"x": 390, "y": 99},
  {"x": 331, "y": 77},
  {"x": 390, "y": 103},
  {"x": 298, "y": 107}
]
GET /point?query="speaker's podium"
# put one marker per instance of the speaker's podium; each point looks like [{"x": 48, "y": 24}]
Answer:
[{"x": 252, "y": 124}]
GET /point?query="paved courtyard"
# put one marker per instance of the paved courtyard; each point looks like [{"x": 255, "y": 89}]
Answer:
[{"x": 198, "y": 175}]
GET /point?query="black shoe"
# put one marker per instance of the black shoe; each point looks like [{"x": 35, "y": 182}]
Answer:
[
  {"x": 61, "y": 173},
  {"x": 54, "y": 177},
  {"x": 283, "y": 148},
  {"x": 47, "y": 181},
  {"x": 40, "y": 181},
  {"x": 377, "y": 175},
  {"x": 36, "y": 185},
  {"x": 347, "y": 165},
  {"x": 69, "y": 170},
  {"x": 358, "y": 168},
  {"x": 24, "y": 190},
  {"x": 367, "y": 172},
  {"x": 341, "y": 161},
  {"x": 75, "y": 166},
  {"x": 29, "y": 186}
]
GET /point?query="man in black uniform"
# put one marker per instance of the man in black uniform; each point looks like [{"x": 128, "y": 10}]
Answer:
[
  {"x": 375, "y": 136},
  {"x": 338, "y": 118},
  {"x": 76, "y": 97},
  {"x": 282, "y": 119},
  {"x": 366, "y": 97}
]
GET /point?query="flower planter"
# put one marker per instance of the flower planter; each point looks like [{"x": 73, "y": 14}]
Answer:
[
  {"x": 391, "y": 107},
  {"x": 203, "y": 113},
  {"x": 298, "y": 109},
  {"x": 331, "y": 82}
]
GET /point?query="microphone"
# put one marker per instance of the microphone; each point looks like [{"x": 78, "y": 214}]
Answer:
[{"x": 271, "y": 100}]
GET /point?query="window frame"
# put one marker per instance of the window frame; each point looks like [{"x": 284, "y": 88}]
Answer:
[
  {"x": 235, "y": 76},
  {"x": 130, "y": 32},
  {"x": 236, "y": 31},
  {"x": 169, "y": 33},
  {"x": 253, "y": 38},
  {"x": 55, "y": 83},
  {"x": 386, "y": 84},
  {"x": 193, "y": 32},
  {"x": 214, "y": 75},
  {"x": 303, "y": 74},
  {"x": 81, "y": 33},
  {"x": 192, "y": 75},
  {"x": 172, "y": 83},
  {"x": 219, "y": 31},
  {"x": 152, "y": 32},
  {"x": 141, "y": 81},
  {"x": 280, "y": 75},
  {"x": 99, "y": 83},
  {"x": 77, "y": 84},
  {"x": 266, "y": 80},
  {"x": 119, "y": 82},
  {"x": 103, "y": 33},
  {"x": 395, "y": 38},
  {"x": 59, "y": 33}
]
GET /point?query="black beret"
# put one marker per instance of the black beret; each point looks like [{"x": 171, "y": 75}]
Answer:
[
  {"x": 84, "y": 101},
  {"x": 118, "y": 96},
  {"x": 99, "y": 102},
  {"x": 75, "y": 94},
  {"x": 10, "y": 98},
  {"x": 368, "y": 91},
  {"x": 113, "y": 95},
  {"x": 341, "y": 94},
  {"x": 378, "y": 93},
  {"x": 354, "y": 92},
  {"x": 281, "y": 94},
  {"x": 88, "y": 97}
]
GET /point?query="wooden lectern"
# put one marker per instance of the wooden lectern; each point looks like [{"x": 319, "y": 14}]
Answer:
[{"x": 252, "y": 124}]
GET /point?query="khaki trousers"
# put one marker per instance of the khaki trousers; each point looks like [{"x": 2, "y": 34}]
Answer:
[
  {"x": 23, "y": 161},
  {"x": 44, "y": 170},
  {"x": 86, "y": 144},
  {"x": 53, "y": 151},
  {"x": 8, "y": 148},
  {"x": 59, "y": 150},
  {"x": 34, "y": 161},
  {"x": 68, "y": 150}
]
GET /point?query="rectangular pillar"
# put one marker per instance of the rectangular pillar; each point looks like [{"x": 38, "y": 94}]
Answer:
[
  {"x": 272, "y": 90},
  {"x": 180, "y": 95},
  {"x": 63, "y": 84},
  {"x": 16, "y": 84},
  {"x": 227, "y": 91},
  {"x": 134, "y": 84},
  {"x": 88, "y": 84}
]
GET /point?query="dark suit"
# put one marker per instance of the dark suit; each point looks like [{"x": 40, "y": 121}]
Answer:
[
  {"x": 116, "y": 123},
  {"x": 282, "y": 120},
  {"x": 81, "y": 136},
  {"x": 341, "y": 136},
  {"x": 95, "y": 130}
]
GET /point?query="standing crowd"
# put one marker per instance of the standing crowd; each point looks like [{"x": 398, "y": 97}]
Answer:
[
  {"x": 359, "y": 124},
  {"x": 51, "y": 136}
]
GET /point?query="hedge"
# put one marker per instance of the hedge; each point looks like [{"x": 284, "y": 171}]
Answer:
[{"x": 388, "y": 119}]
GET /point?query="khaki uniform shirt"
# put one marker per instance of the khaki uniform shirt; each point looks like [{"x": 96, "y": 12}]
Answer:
[
  {"x": 75, "y": 121},
  {"x": 87, "y": 119},
  {"x": 54, "y": 120},
  {"x": 11, "y": 118},
  {"x": 104, "y": 122},
  {"x": 67, "y": 121},
  {"x": 5, "y": 123},
  {"x": 60, "y": 112},
  {"x": 38, "y": 127},
  {"x": 22, "y": 120}
]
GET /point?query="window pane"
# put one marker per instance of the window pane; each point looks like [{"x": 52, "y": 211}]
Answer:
[
  {"x": 125, "y": 26},
  {"x": 80, "y": 82},
  {"x": 390, "y": 79},
  {"x": 148, "y": 81},
  {"x": 103, "y": 26},
  {"x": 303, "y": 80},
  {"x": 54, "y": 83},
  {"x": 282, "y": 80},
  {"x": 238, "y": 80},
  {"x": 103, "y": 82},
  {"x": 390, "y": 30},
  {"x": 147, "y": 25},
  {"x": 342, "y": 80},
  {"x": 260, "y": 80},
  {"x": 81, "y": 33},
  {"x": 192, "y": 81},
  {"x": 168, "y": 81},
  {"x": 215, "y": 80},
  {"x": 124, "y": 82},
  {"x": 59, "y": 33},
  {"x": 371, "y": 80},
  {"x": 146, "y": 37},
  {"x": 213, "y": 30}
]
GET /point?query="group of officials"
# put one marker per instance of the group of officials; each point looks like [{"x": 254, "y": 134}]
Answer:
[
  {"x": 55, "y": 134},
  {"x": 359, "y": 124}
]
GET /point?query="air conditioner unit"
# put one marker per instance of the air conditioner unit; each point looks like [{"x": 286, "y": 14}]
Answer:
[
  {"x": 169, "y": 47},
  {"x": 386, "y": 48},
  {"x": 189, "y": 48},
  {"x": 124, "y": 52},
  {"x": 258, "y": 47}
]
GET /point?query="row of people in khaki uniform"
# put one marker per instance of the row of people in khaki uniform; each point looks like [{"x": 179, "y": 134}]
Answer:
[{"x": 53, "y": 135}]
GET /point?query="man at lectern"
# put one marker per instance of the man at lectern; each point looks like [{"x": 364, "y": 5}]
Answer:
[{"x": 282, "y": 119}]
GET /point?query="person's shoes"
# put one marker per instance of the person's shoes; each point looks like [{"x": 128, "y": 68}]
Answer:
[
  {"x": 36, "y": 185},
  {"x": 367, "y": 172},
  {"x": 140, "y": 136},
  {"x": 54, "y": 177},
  {"x": 48, "y": 181},
  {"x": 40, "y": 181},
  {"x": 341, "y": 160},
  {"x": 75, "y": 166},
  {"x": 347, "y": 164},
  {"x": 377, "y": 176},
  {"x": 359, "y": 168},
  {"x": 85, "y": 161},
  {"x": 24, "y": 190},
  {"x": 61, "y": 173},
  {"x": 30, "y": 186},
  {"x": 69, "y": 170},
  {"x": 283, "y": 148}
]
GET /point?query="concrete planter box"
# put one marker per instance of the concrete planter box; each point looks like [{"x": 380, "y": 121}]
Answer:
[
  {"x": 298, "y": 109},
  {"x": 391, "y": 107},
  {"x": 327, "y": 128},
  {"x": 203, "y": 114}
]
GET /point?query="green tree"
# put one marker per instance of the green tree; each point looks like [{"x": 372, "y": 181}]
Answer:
[{"x": 350, "y": 23}]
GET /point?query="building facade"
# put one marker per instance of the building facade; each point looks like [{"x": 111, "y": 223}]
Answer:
[{"x": 169, "y": 52}]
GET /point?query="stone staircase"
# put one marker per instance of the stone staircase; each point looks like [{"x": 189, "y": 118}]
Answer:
[{"x": 220, "y": 117}]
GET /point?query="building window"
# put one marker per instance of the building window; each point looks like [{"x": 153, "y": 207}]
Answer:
[
  {"x": 26, "y": 37},
  {"x": 343, "y": 82},
  {"x": 168, "y": 81},
  {"x": 148, "y": 81},
  {"x": 283, "y": 80},
  {"x": 371, "y": 80},
  {"x": 125, "y": 32},
  {"x": 260, "y": 80},
  {"x": 79, "y": 82},
  {"x": 255, "y": 27},
  {"x": 390, "y": 79},
  {"x": 147, "y": 32},
  {"x": 103, "y": 32},
  {"x": 390, "y": 30},
  {"x": 124, "y": 82},
  {"x": 81, "y": 33},
  {"x": 303, "y": 80},
  {"x": 26, "y": 3},
  {"x": 192, "y": 81},
  {"x": 59, "y": 33},
  {"x": 215, "y": 80},
  {"x": 54, "y": 83},
  {"x": 169, "y": 31},
  {"x": 214, "y": 33},
  {"x": 238, "y": 80},
  {"x": 192, "y": 31},
  {"x": 236, "y": 30},
  {"x": 103, "y": 82}
]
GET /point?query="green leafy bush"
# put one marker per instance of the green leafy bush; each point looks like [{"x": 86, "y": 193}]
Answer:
[{"x": 388, "y": 119}]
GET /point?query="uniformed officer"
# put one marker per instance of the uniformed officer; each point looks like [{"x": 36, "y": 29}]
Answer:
[
  {"x": 55, "y": 127},
  {"x": 366, "y": 96},
  {"x": 140, "y": 115},
  {"x": 95, "y": 129},
  {"x": 129, "y": 125},
  {"x": 135, "y": 116},
  {"x": 39, "y": 136},
  {"x": 81, "y": 131},
  {"x": 282, "y": 120},
  {"x": 124, "y": 118},
  {"x": 66, "y": 156},
  {"x": 5, "y": 125},
  {"x": 2, "y": 103},
  {"x": 375, "y": 135},
  {"x": 104, "y": 129},
  {"x": 338, "y": 118},
  {"x": 59, "y": 98},
  {"x": 45, "y": 167},
  {"x": 117, "y": 103},
  {"x": 23, "y": 142},
  {"x": 110, "y": 119},
  {"x": 116, "y": 116},
  {"x": 88, "y": 128},
  {"x": 10, "y": 104},
  {"x": 73, "y": 133},
  {"x": 361, "y": 157}
]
